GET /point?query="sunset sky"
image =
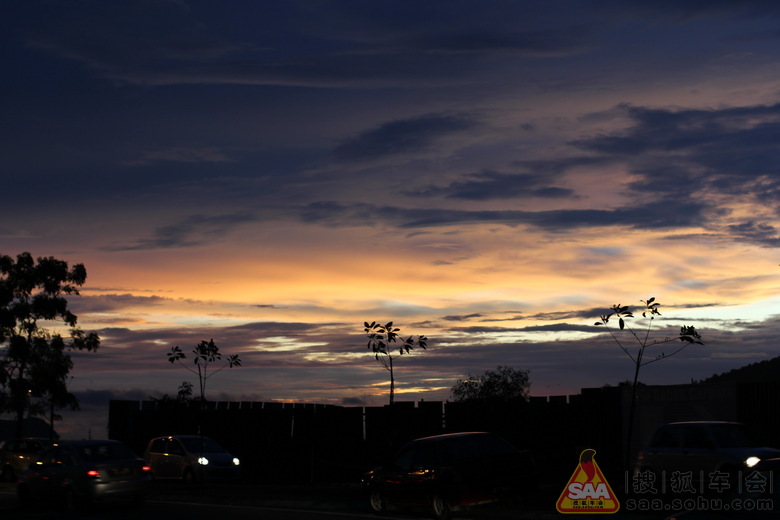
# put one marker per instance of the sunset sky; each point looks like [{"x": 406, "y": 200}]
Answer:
[{"x": 494, "y": 175}]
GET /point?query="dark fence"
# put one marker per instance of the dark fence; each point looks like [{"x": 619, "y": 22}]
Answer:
[
  {"x": 317, "y": 443},
  {"x": 310, "y": 443}
]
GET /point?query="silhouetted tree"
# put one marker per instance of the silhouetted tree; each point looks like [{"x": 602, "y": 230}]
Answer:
[
  {"x": 49, "y": 383},
  {"x": 185, "y": 391},
  {"x": 688, "y": 335},
  {"x": 380, "y": 338},
  {"x": 183, "y": 395},
  {"x": 34, "y": 362},
  {"x": 205, "y": 354},
  {"x": 502, "y": 384}
]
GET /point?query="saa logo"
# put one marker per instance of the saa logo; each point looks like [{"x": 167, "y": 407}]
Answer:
[{"x": 587, "y": 490}]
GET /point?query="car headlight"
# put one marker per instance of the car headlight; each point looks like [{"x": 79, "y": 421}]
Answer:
[
  {"x": 203, "y": 461},
  {"x": 752, "y": 461},
  {"x": 236, "y": 462}
]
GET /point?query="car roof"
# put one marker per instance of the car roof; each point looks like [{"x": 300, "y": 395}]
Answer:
[
  {"x": 86, "y": 442},
  {"x": 703, "y": 422},
  {"x": 182, "y": 437},
  {"x": 43, "y": 440},
  {"x": 446, "y": 436}
]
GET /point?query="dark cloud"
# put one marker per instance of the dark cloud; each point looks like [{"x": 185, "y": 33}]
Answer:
[
  {"x": 555, "y": 327},
  {"x": 193, "y": 231},
  {"x": 277, "y": 328},
  {"x": 727, "y": 150},
  {"x": 758, "y": 233},
  {"x": 680, "y": 154},
  {"x": 491, "y": 185},
  {"x": 684, "y": 213},
  {"x": 463, "y": 317},
  {"x": 402, "y": 137},
  {"x": 111, "y": 302}
]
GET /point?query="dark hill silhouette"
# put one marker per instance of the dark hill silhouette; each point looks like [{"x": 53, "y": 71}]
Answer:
[{"x": 767, "y": 370}]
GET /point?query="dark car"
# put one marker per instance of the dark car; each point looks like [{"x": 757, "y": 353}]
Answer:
[
  {"x": 449, "y": 472},
  {"x": 699, "y": 448},
  {"x": 190, "y": 458},
  {"x": 16, "y": 456},
  {"x": 80, "y": 472}
]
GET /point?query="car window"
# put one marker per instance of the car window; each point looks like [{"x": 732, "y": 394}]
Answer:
[
  {"x": 104, "y": 452},
  {"x": 731, "y": 436},
  {"x": 174, "y": 447},
  {"x": 202, "y": 445},
  {"x": 425, "y": 456},
  {"x": 695, "y": 437},
  {"x": 474, "y": 446},
  {"x": 158, "y": 446},
  {"x": 404, "y": 459},
  {"x": 63, "y": 457},
  {"x": 49, "y": 457},
  {"x": 667, "y": 437}
]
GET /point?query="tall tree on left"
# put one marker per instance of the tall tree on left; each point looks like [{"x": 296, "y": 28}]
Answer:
[{"x": 34, "y": 361}]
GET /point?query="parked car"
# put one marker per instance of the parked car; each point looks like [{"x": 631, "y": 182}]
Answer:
[
  {"x": 190, "y": 458},
  {"x": 701, "y": 447},
  {"x": 16, "y": 456},
  {"x": 449, "y": 472},
  {"x": 68, "y": 474}
]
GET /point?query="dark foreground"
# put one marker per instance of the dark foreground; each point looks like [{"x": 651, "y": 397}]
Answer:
[{"x": 174, "y": 500}]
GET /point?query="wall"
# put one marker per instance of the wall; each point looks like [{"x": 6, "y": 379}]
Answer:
[{"x": 317, "y": 443}]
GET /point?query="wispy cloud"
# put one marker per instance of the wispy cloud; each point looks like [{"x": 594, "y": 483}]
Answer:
[
  {"x": 193, "y": 231},
  {"x": 402, "y": 137}
]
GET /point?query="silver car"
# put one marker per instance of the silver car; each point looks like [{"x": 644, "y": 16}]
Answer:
[
  {"x": 190, "y": 458},
  {"x": 16, "y": 456},
  {"x": 69, "y": 474},
  {"x": 699, "y": 448}
]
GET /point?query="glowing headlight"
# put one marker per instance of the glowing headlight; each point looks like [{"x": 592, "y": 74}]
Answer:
[
  {"x": 203, "y": 461},
  {"x": 236, "y": 462},
  {"x": 752, "y": 461}
]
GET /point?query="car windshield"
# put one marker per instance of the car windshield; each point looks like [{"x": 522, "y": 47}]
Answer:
[
  {"x": 732, "y": 436},
  {"x": 104, "y": 452},
  {"x": 477, "y": 446},
  {"x": 202, "y": 445}
]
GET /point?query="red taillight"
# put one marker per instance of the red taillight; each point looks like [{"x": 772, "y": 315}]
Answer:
[
  {"x": 146, "y": 469},
  {"x": 93, "y": 473}
]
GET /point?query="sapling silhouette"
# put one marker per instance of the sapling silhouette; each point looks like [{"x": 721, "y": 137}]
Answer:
[
  {"x": 688, "y": 335},
  {"x": 379, "y": 339}
]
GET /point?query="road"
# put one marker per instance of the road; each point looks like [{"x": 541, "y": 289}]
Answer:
[
  {"x": 155, "y": 510},
  {"x": 176, "y": 510},
  {"x": 239, "y": 502}
]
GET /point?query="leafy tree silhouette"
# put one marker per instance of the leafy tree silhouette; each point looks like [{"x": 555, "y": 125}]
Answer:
[
  {"x": 503, "y": 384},
  {"x": 380, "y": 338},
  {"x": 34, "y": 362},
  {"x": 688, "y": 335},
  {"x": 205, "y": 354}
]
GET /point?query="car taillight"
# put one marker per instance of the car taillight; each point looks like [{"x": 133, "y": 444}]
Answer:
[
  {"x": 93, "y": 473},
  {"x": 146, "y": 469}
]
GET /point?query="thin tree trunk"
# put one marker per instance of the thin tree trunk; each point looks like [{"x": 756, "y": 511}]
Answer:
[
  {"x": 392, "y": 382},
  {"x": 632, "y": 407}
]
